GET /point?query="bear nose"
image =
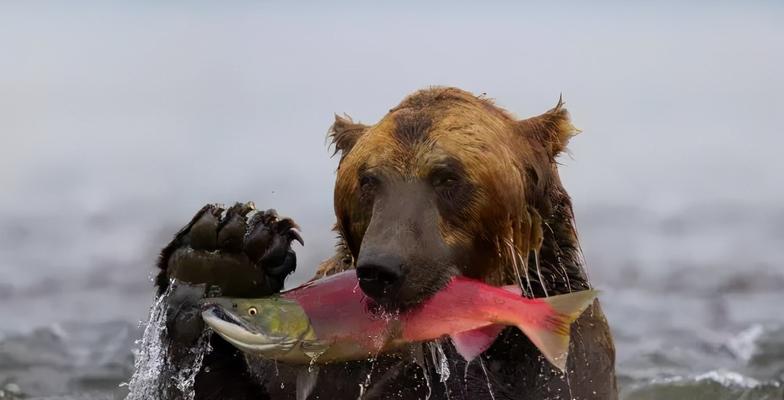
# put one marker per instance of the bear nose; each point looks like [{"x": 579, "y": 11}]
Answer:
[{"x": 379, "y": 277}]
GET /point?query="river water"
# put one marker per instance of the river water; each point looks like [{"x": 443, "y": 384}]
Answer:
[{"x": 694, "y": 298}]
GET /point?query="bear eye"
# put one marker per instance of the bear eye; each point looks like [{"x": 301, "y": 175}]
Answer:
[
  {"x": 445, "y": 179},
  {"x": 367, "y": 182},
  {"x": 253, "y": 311}
]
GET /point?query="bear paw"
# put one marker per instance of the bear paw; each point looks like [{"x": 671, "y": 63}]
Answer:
[{"x": 239, "y": 252}]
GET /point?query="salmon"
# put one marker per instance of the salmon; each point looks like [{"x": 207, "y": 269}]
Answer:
[{"x": 331, "y": 320}]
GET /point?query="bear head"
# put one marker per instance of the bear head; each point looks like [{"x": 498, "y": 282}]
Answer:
[{"x": 447, "y": 183}]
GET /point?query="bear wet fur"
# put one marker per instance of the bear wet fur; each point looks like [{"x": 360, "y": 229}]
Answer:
[{"x": 446, "y": 183}]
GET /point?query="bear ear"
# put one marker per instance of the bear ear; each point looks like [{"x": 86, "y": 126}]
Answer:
[
  {"x": 553, "y": 129},
  {"x": 344, "y": 134}
]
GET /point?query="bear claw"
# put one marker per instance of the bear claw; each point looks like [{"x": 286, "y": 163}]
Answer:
[
  {"x": 233, "y": 226},
  {"x": 203, "y": 231},
  {"x": 240, "y": 250}
]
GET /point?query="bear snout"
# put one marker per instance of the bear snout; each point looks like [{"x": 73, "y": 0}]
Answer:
[{"x": 380, "y": 276}]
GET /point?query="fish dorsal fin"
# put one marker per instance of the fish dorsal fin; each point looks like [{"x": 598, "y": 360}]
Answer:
[{"x": 470, "y": 344}]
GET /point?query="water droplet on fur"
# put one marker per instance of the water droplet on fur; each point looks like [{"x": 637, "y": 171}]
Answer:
[
  {"x": 439, "y": 360},
  {"x": 361, "y": 391},
  {"x": 487, "y": 378},
  {"x": 186, "y": 378},
  {"x": 363, "y": 386}
]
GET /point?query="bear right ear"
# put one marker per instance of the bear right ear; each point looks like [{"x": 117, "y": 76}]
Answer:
[
  {"x": 344, "y": 134},
  {"x": 553, "y": 129}
]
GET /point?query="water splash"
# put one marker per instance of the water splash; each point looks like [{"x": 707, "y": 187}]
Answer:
[
  {"x": 150, "y": 355},
  {"x": 152, "y": 360},
  {"x": 186, "y": 377}
]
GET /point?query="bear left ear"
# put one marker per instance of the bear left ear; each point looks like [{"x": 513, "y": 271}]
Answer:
[
  {"x": 552, "y": 129},
  {"x": 344, "y": 134}
]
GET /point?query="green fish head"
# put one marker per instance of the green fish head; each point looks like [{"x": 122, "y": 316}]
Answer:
[{"x": 269, "y": 326}]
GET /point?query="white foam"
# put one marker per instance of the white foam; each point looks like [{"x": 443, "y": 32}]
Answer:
[
  {"x": 723, "y": 377},
  {"x": 728, "y": 378},
  {"x": 744, "y": 345}
]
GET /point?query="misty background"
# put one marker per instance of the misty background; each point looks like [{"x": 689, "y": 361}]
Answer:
[{"x": 118, "y": 120}]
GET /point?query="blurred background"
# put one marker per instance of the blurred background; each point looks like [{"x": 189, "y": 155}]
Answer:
[{"x": 118, "y": 120}]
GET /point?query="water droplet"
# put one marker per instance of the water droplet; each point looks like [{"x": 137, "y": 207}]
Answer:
[
  {"x": 439, "y": 360},
  {"x": 487, "y": 378}
]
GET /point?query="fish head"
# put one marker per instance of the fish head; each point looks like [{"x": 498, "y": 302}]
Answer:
[{"x": 268, "y": 326}]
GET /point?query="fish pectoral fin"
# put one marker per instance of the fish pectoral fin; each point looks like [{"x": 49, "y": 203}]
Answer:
[
  {"x": 470, "y": 344},
  {"x": 314, "y": 348}
]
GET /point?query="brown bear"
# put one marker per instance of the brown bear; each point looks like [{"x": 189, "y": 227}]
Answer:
[{"x": 446, "y": 184}]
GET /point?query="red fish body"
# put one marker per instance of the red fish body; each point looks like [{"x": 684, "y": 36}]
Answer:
[{"x": 345, "y": 325}]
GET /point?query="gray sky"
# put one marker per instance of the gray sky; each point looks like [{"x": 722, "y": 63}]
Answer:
[{"x": 106, "y": 106}]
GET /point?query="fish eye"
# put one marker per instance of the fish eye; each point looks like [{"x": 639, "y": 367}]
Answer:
[{"x": 253, "y": 311}]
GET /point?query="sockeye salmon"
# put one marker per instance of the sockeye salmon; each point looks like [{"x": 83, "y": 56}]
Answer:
[{"x": 330, "y": 319}]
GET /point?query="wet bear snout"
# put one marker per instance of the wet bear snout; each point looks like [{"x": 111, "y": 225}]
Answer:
[{"x": 380, "y": 276}]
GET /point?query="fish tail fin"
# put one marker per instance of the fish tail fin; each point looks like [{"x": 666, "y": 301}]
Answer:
[{"x": 549, "y": 329}]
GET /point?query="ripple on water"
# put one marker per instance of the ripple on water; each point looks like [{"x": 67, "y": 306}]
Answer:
[{"x": 712, "y": 385}]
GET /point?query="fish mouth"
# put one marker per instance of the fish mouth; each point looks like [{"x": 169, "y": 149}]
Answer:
[{"x": 239, "y": 332}]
